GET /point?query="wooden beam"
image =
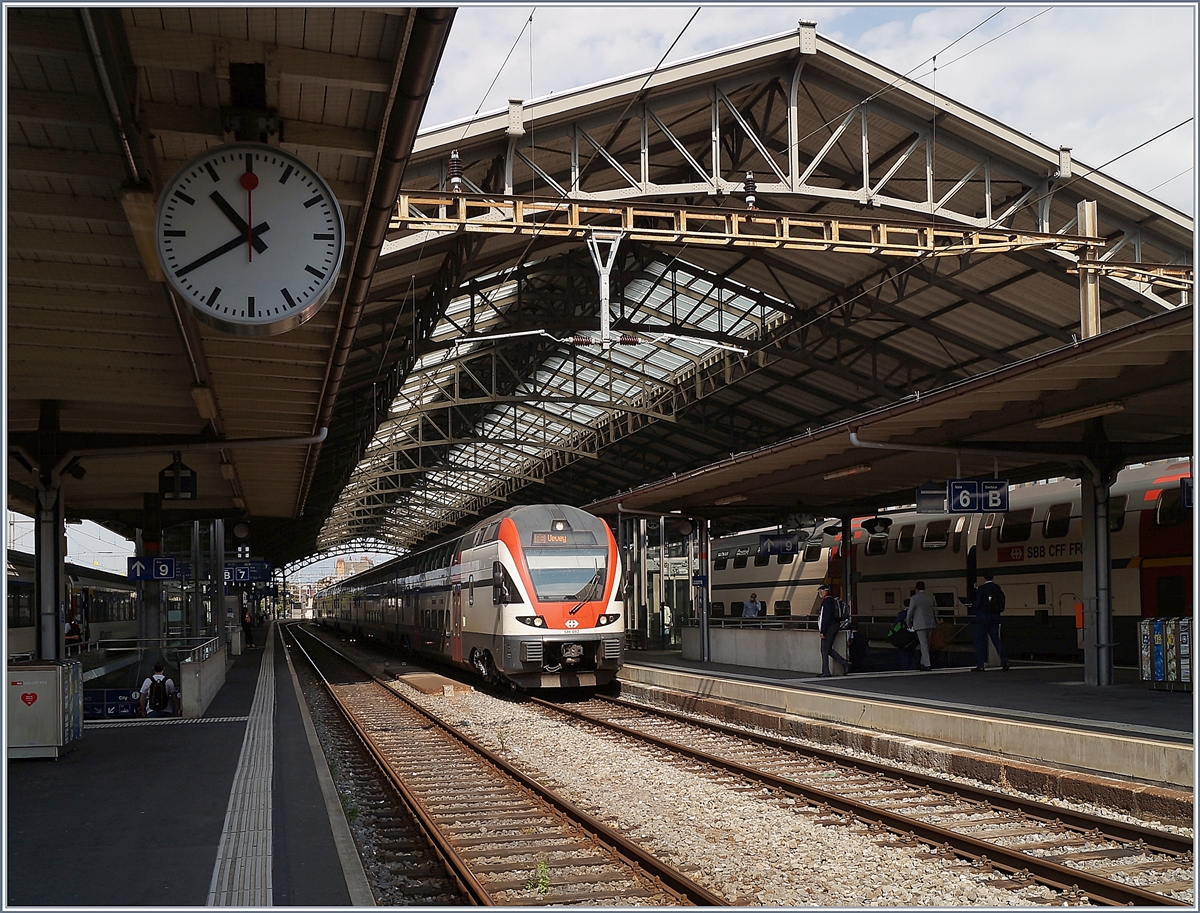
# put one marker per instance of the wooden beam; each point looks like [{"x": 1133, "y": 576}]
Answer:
[
  {"x": 85, "y": 243},
  {"x": 62, "y": 206},
  {"x": 170, "y": 50}
]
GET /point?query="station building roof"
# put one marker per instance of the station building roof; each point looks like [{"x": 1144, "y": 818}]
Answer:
[
  {"x": 488, "y": 376},
  {"x": 107, "y": 373},
  {"x": 458, "y": 370},
  {"x": 1121, "y": 397}
]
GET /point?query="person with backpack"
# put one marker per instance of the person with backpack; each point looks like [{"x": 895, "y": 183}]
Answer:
[
  {"x": 158, "y": 694},
  {"x": 985, "y": 612},
  {"x": 904, "y": 640},
  {"x": 829, "y": 622},
  {"x": 921, "y": 621}
]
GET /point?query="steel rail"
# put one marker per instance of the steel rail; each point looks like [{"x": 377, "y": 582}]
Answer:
[
  {"x": 673, "y": 881},
  {"x": 456, "y": 867},
  {"x": 1158, "y": 841},
  {"x": 1051, "y": 874}
]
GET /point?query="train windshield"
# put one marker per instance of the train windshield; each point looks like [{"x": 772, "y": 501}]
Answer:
[{"x": 567, "y": 574}]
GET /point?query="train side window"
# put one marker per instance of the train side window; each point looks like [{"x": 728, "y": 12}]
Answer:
[
  {"x": 812, "y": 553},
  {"x": 1170, "y": 595},
  {"x": 945, "y": 600},
  {"x": 1168, "y": 511},
  {"x": 959, "y": 526},
  {"x": 877, "y": 544},
  {"x": 718, "y": 608},
  {"x": 785, "y": 557},
  {"x": 904, "y": 541},
  {"x": 491, "y": 532},
  {"x": 1016, "y": 525},
  {"x": 735, "y": 609},
  {"x": 741, "y": 556},
  {"x": 1116, "y": 513},
  {"x": 720, "y": 561},
  {"x": 1058, "y": 521},
  {"x": 1041, "y": 594},
  {"x": 889, "y": 597},
  {"x": 762, "y": 560},
  {"x": 783, "y": 607},
  {"x": 937, "y": 534}
]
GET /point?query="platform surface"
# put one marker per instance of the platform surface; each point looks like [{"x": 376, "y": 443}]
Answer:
[
  {"x": 1039, "y": 711},
  {"x": 223, "y": 810}
]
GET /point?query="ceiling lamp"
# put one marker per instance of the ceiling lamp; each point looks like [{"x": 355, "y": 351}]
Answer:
[
  {"x": 1079, "y": 415},
  {"x": 848, "y": 471}
]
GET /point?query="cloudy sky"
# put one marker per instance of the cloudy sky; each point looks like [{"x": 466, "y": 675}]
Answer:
[{"x": 1102, "y": 79}]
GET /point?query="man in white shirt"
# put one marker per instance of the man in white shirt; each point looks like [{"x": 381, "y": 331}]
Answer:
[{"x": 158, "y": 696}]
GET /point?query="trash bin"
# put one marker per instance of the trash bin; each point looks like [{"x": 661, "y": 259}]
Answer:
[{"x": 1165, "y": 653}]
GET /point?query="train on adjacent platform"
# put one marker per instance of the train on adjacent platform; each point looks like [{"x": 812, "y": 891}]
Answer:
[
  {"x": 104, "y": 605},
  {"x": 530, "y": 597},
  {"x": 1035, "y": 551}
]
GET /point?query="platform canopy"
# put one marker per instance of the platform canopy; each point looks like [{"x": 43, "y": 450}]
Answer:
[
  {"x": 108, "y": 375},
  {"x": 901, "y": 243},
  {"x": 1121, "y": 397}
]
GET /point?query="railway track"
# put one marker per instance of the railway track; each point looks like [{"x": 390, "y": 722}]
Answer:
[
  {"x": 502, "y": 838},
  {"x": 1085, "y": 858}
]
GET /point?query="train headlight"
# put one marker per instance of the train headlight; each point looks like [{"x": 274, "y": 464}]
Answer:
[
  {"x": 608, "y": 619},
  {"x": 534, "y": 621}
]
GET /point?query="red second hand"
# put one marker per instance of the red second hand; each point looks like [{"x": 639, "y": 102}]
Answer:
[{"x": 249, "y": 180}]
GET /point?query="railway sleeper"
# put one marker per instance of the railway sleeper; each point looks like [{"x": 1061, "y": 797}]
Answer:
[
  {"x": 517, "y": 884},
  {"x": 479, "y": 849},
  {"x": 503, "y": 868}
]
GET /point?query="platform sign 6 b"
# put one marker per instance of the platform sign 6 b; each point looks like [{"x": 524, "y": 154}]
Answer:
[{"x": 973, "y": 496}]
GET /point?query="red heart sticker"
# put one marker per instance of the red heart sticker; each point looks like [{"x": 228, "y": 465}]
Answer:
[{"x": 29, "y": 697}]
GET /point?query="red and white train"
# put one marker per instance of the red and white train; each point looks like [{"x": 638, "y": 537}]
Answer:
[
  {"x": 1035, "y": 550},
  {"x": 530, "y": 596}
]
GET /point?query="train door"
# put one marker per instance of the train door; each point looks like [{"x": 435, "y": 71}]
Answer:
[{"x": 456, "y": 623}]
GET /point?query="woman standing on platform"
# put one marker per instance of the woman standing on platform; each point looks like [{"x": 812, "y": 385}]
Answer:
[{"x": 246, "y": 628}]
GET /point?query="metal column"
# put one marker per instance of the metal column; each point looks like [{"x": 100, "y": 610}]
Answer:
[
  {"x": 1097, "y": 580},
  {"x": 705, "y": 594},
  {"x": 218, "y": 579},
  {"x": 49, "y": 582}
]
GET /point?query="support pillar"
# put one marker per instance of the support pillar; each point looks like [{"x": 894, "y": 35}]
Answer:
[
  {"x": 197, "y": 604},
  {"x": 847, "y": 551},
  {"x": 49, "y": 582},
  {"x": 1097, "y": 580},
  {"x": 1089, "y": 279},
  {"x": 150, "y": 618},
  {"x": 704, "y": 593},
  {"x": 218, "y": 580}
]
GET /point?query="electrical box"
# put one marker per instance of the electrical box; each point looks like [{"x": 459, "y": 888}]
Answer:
[{"x": 45, "y": 708}]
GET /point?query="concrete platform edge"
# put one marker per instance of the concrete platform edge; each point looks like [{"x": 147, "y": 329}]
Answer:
[
  {"x": 357, "y": 885},
  {"x": 1007, "y": 755}
]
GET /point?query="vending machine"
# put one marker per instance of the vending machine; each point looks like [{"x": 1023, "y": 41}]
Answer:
[{"x": 45, "y": 708}]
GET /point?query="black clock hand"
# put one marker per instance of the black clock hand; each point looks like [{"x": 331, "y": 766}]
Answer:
[
  {"x": 238, "y": 222},
  {"x": 223, "y": 249}
]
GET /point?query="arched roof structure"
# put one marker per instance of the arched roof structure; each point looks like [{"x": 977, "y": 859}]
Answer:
[{"x": 479, "y": 359}]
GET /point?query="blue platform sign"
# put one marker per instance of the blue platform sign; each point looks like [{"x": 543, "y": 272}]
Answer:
[
  {"x": 963, "y": 496},
  {"x": 787, "y": 544},
  {"x": 247, "y": 571},
  {"x": 973, "y": 496},
  {"x": 152, "y": 569},
  {"x": 993, "y": 495}
]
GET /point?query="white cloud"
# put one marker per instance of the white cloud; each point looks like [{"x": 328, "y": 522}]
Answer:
[{"x": 1101, "y": 79}]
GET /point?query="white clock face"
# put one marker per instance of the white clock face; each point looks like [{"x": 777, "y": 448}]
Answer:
[{"x": 251, "y": 237}]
